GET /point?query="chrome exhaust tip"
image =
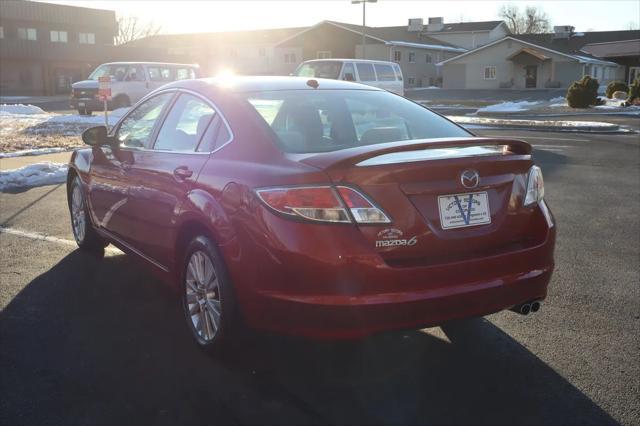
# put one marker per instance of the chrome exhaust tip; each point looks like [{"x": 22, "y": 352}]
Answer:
[
  {"x": 535, "y": 306},
  {"x": 523, "y": 309}
]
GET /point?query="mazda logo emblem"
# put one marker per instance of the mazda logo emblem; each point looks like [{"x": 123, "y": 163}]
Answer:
[{"x": 470, "y": 178}]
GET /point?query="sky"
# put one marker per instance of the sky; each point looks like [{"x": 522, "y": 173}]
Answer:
[{"x": 210, "y": 16}]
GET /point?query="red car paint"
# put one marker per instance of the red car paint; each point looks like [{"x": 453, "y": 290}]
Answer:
[{"x": 327, "y": 280}]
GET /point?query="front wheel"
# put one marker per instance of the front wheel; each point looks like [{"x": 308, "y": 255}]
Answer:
[
  {"x": 207, "y": 297},
  {"x": 86, "y": 237}
]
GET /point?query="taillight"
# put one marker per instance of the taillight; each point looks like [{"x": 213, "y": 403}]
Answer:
[
  {"x": 322, "y": 203},
  {"x": 535, "y": 186},
  {"x": 318, "y": 203},
  {"x": 361, "y": 208}
]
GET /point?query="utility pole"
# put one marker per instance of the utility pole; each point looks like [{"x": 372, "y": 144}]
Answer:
[{"x": 364, "y": 11}]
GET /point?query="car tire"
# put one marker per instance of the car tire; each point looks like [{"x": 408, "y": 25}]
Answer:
[
  {"x": 207, "y": 296},
  {"x": 83, "y": 232}
]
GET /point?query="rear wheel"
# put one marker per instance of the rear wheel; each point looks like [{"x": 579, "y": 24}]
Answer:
[
  {"x": 86, "y": 237},
  {"x": 207, "y": 297}
]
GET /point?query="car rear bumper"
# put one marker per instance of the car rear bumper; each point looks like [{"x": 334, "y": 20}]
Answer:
[{"x": 335, "y": 296}]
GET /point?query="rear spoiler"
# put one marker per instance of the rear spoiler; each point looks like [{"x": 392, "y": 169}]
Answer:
[{"x": 353, "y": 156}]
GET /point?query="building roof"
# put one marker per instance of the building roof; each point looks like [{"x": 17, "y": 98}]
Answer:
[
  {"x": 396, "y": 33},
  {"x": 578, "y": 40},
  {"x": 582, "y": 57},
  {"x": 467, "y": 27},
  {"x": 57, "y": 13},
  {"x": 614, "y": 49},
  {"x": 266, "y": 37}
]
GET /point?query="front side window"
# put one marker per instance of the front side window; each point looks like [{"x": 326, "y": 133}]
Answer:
[
  {"x": 58, "y": 36},
  {"x": 27, "y": 34},
  {"x": 331, "y": 120},
  {"x": 185, "y": 124},
  {"x": 135, "y": 130},
  {"x": 490, "y": 73},
  {"x": 385, "y": 72},
  {"x": 349, "y": 72},
  {"x": 365, "y": 71},
  {"x": 117, "y": 72},
  {"x": 396, "y": 68},
  {"x": 319, "y": 69}
]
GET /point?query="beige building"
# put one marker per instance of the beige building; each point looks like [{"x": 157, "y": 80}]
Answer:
[{"x": 514, "y": 63}]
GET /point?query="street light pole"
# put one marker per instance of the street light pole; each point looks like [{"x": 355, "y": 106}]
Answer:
[{"x": 364, "y": 41}]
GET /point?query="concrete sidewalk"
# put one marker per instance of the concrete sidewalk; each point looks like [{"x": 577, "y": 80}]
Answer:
[{"x": 17, "y": 162}]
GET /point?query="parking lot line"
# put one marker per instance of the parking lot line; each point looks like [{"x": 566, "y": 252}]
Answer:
[{"x": 44, "y": 237}]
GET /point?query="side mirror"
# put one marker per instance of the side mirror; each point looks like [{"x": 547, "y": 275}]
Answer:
[{"x": 96, "y": 136}]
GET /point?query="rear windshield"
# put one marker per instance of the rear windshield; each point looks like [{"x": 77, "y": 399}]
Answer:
[
  {"x": 329, "y": 120},
  {"x": 320, "y": 69}
]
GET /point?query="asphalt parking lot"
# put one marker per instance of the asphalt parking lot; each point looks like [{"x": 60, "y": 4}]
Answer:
[{"x": 89, "y": 341}]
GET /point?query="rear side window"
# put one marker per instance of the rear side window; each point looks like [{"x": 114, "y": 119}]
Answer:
[
  {"x": 160, "y": 73},
  {"x": 365, "y": 71},
  {"x": 185, "y": 74},
  {"x": 137, "y": 127},
  {"x": 385, "y": 72},
  {"x": 217, "y": 135},
  {"x": 185, "y": 124}
]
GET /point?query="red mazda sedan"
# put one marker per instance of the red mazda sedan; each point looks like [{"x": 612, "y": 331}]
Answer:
[{"x": 314, "y": 207}]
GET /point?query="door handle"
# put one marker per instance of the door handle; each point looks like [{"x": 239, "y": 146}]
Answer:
[{"x": 182, "y": 173}]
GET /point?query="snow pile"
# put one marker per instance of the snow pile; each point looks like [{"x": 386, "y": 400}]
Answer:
[
  {"x": 557, "y": 124},
  {"x": 37, "y": 174},
  {"x": 609, "y": 103},
  {"x": 96, "y": 119},
  {"x": 35, "y": 151},
  {"x": 20, "y": 109},
  {"x": 509, "y": 106}
]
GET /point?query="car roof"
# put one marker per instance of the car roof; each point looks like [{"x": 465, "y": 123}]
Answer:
[
  {"x": 149, "y": 63},
  {"x": 368, "y": 61},
  {"x": 242, "y": 84}
]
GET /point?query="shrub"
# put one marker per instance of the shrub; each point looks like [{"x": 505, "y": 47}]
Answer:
[
  {"x": 634, "y": 92},
  {"x": 583, "y": 93},
  {"x": 616, "y": 86}
]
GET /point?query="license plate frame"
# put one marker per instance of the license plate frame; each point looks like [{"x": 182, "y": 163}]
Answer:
[{"x": 464, "y": 210}]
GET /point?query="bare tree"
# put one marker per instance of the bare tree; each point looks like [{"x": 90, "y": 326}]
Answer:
[
  {"x": 531, "y": 21},
  {"x": 131, "y": 28}
]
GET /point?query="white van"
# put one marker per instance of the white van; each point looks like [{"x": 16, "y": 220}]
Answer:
[
  {"x": 130, "y": 81},
  {"x": 382, "y": 74}
]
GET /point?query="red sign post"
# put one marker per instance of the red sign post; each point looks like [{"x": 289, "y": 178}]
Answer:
[{"x": 104, "y": 93}]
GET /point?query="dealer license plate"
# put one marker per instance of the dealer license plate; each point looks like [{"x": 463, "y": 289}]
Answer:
[{"x": 462, "y": 210}]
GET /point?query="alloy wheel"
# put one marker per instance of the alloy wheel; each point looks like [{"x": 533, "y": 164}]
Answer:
[
  {"x": 202, "y": 291},
  {"x": 78, "y": 218}
]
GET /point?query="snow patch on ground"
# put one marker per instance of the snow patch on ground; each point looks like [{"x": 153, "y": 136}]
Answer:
[
  {"x": 531, "y": 123},
  {"x": 19, "y": 109},
  {"x": 509, "y": 106},
  {"x": 96, "y": 119},
  {"x": 38, "y": 174},
  {"x": 36, "y": 151}
]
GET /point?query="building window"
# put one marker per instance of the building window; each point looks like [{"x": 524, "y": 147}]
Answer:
[
  {"x": 233, "y": 53},
  {"x": 397, "y": 56},
  {"x": 262, "y": 51},
  {"x": 490, "y": 73},
  {"x": 27, "y": 34},
  {"x": 87, "y": 38},
  {"x": 290, "y": 58},
  {"x": 412, "y": 57},
  {"x": 58, "y": 36},
  {"x": 323, "y": 54},
  {"x": 1, "y": 32},
  {"x": 429, "y": 59},
  {"x": 411, "y": 81}
]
